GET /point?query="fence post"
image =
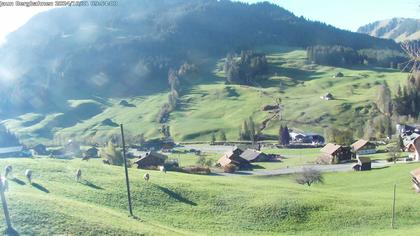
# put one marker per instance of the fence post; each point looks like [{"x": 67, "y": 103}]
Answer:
[
  {"x": 127, "y": 182},
  {"x": 393, "y": 209},
  {"x": 5, "y": 209}
]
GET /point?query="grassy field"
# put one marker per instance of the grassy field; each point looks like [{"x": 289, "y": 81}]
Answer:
[
  {"x": 209, "y": 106},
  {"x": 352, "y": 203}
]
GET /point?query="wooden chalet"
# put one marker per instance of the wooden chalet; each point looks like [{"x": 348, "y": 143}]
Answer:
[
  {"x": 363, "y": 147},
  {"x": 252, "y": 155},
  {"x": 152, "y": 159},
  {"x": 414, "y": 147},
  {"x": 234, "y": 157},
  {"x": 334, "y": 153}
]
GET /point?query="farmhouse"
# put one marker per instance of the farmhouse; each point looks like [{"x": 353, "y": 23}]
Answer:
[
  {"x": 40, "y": 149},
  {"x": 234, "y": 157},
  {"x": 333, "y": 153},
  {"x": 17, "y": 151},
  {"x": 363, "y": 147},
  {"x": 313, "y": 138},
  {"x": 252, "y": 155},
  {"x": 414, "y": 147},
  {"x": 152, "y": 159},
  {"x": 363, "y": 163},
  {"x": 92, "y": 152}
]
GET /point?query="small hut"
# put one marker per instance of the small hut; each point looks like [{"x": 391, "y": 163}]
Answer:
[
  {"x": 327, "y": 96},
  {"x": 151, "y": 160},
  {"x": 338, "y": 75},
  {"x": 92, "y": 152},
  {"x": 363, "y": 163}
]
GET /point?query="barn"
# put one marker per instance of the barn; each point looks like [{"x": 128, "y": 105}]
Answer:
[
  {"x": 334, "y": 153},
  {"x": 234, "y": 157},
  {"x": 152, "y": 159},
  {"x": 252, "y": 155}
]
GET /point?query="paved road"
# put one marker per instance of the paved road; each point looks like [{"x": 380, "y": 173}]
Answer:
[{"x": 299, "y": 169}]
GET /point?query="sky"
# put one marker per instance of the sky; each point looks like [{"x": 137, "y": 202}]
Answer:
[{"x": 344, "y": 14}]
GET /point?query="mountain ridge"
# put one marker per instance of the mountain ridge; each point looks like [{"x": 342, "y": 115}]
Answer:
[{"x": 398, "y": 29}]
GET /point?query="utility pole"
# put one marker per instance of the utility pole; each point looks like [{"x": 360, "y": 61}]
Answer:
[
  {"x": 127, "y": 182},
  {"x": 393, "y": 209},
  {"x": 5, "y": 209}
]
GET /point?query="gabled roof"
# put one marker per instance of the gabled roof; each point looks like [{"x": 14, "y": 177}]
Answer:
[
  {"x": 330, "y": 148},
  {"x": 250, "y": 154},
  {"x": 223, "y": 161},
  {"x": 359, "y": 144},
  {"x": 364, "y": 160},
  {"x": 153, "y": 155},
  {"x": 5, "y": 150}
]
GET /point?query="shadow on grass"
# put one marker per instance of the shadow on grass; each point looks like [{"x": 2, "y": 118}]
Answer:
[
  {"x": 11, "y": 232},
  {"x": 91, "y": 185},
  {"x": 380, "y": 168},
  {"x": 18, "y": 181},
  {"x": 176, "y": 196},
  {"x": 40, "y": 187}
]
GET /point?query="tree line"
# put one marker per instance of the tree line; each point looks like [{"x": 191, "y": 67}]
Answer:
[
  {"x": 246, "y": 69},
  {"x": 337, "y": 55}
]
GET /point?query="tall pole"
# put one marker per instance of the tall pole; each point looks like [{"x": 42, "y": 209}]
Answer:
[
  {"x": 393, "y": 209},
  {"x": 127, "y": 182},
  {"x": 5, "y": 209}
]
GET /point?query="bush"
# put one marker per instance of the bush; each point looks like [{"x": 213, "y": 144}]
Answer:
[
  {"x": 230, "y": 168},
  {"x": 111, "y": 154}
]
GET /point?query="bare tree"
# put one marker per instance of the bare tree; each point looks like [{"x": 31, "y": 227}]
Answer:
[
  {"x": 413, "y": 52},
  {"x": 310, "y": 176}
]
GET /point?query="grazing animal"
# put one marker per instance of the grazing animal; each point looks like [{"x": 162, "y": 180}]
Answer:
[
  {"x": 162, "y": 169},
  {"x": 28, "y": 174},
  {"x": 146, "y": 177},
  {"x": 78, "y": 175},
  {"x": 8, "y": 170},
  {"x": 106, "y": 162}
]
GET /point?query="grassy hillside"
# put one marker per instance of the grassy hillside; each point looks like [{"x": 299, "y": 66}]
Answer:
[
  {"x": 356, "y": 203},
  {"x": 211, "y": 106}
]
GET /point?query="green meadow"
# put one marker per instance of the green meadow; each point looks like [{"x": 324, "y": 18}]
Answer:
[{"x": 348, "y": 203}]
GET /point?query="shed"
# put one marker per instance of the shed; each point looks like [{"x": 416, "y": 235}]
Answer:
[
  {"x": 363, "y": 147},
  {"x": 92, "y": 152},
  {"x": 152, "y": 159},
  {"x": 335, "y": 153},
  {"x": 363, "y": 163},
  {"x": 252, "y": 155},
  {"x": 327, "y": 96},
  {"x": 339, "y": 75}
]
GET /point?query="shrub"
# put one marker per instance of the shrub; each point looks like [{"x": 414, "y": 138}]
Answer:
[
  {"x": 196, "y": 170},
  {"x": 111, "y": 154},
  {"x": 230, "y": 168}
]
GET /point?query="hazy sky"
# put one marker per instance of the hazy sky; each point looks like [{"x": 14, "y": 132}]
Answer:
[{"x": 345, "y": 14}]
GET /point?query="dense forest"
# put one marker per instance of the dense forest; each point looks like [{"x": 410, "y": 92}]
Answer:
[{"x": 338, "y": 55}]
